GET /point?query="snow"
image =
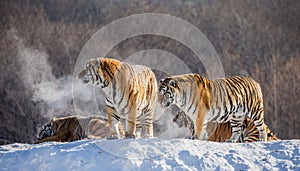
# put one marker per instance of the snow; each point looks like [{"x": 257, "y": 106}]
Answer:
[{"x": 151, "y": 154}]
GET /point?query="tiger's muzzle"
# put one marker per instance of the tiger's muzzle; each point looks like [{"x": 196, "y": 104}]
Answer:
[
  {"x": 167, "y": 99},
  {"x": 84, "y": 77}
]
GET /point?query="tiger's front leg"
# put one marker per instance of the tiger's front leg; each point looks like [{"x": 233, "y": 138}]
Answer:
[
  {"x": 200, "y": 129},
  {"x": 113, "y": 123},
  {"x": 131, "y": 122},
  {"x": 62, "y": 136}
]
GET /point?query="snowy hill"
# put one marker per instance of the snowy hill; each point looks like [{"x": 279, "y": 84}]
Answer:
[{"x": 151, "y": 154}]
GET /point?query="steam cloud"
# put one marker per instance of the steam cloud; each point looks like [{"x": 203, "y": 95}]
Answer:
[{"x": 53, "y": 95}]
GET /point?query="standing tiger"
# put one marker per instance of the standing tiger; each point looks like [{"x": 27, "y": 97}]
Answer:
[
  {"x": 219, "y": 132},
  {"x": 230, "y": 99},
  {"x": 130, "y": 91},
  {"x": 73, "y": 128}
]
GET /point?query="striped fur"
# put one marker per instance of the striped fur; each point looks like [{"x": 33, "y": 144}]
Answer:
[
  {"x": 130, "y": 92},
  {"x": 97, "y": 127},
  {"x": 73, "y": 128},
  {"x": 219, "y": 132},
  {"x": 182, "y": 120},
  {"x": 230, "y": 99}
]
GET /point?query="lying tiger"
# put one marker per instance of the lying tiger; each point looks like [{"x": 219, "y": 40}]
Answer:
[
  {"x": 223, "y": 100},
  {"x": 74, "y": 128},
  {"x": 130, "y": 92},
  {"x": 219, "y": 132}
]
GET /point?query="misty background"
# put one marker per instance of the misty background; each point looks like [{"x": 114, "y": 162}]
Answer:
[{"x": 41, "y": 40}]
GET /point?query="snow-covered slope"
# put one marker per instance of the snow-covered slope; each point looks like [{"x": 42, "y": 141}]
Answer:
[{"x": 151, "y": 154}]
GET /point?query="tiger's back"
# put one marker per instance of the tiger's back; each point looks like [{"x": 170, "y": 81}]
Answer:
[{"x": 97, "y": 127}]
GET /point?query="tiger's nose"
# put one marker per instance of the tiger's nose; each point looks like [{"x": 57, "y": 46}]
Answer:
[{"x": 86, "y": 81}]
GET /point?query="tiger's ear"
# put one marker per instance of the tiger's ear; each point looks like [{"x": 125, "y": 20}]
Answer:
[
  {"x": 53, "y": 119},
  {"x": 161, "y": 80},
  {"x": 172, "y": 83},
  {"x": 99, "y": 63},
  {"x": 96, "y": 62},
  {"x": 87, "y": 65}
]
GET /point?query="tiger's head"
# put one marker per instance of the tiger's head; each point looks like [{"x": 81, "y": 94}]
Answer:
[
  {"x": 50, "y": 129},
  {"x": 168, "y": 91},
  {"x": 99, "y": 71},
  {"x": 47, "y": 131}
]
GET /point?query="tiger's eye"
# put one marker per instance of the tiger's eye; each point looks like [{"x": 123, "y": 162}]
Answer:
[{"x": 163, "y": 90}]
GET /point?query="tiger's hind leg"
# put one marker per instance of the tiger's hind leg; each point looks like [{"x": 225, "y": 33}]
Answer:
[
  {"x": 258, "y": 119},
  {"x": 138, "y": 131},
  {"x": 130, "y": 114},
  {"x": 148, "y": 121},
  {"x": 113, "y": 123}
]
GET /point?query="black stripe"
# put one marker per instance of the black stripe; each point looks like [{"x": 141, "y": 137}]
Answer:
[
  {"x": 107, "y": 70},
  {"x": 213, "y": 112},
  {"x": 224, "y": 117},
  {"x": 229, "y": 96},
  {"x": 114, "y": 83},
  {"x": 184, "y": 97},
  {"x": 219, "y": 112},
  {"x": 195, "y": 107},
  {"x": 115, "y": 116},
  {"x": 191, "y": 104},
  {"x": 127, "y": 101}
]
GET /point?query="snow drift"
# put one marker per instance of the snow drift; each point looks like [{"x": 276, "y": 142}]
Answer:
[{"x": 151, "y": 154}]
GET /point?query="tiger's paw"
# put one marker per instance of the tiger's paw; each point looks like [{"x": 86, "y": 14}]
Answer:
[
  {"x": 128, "y": 136},
  {"x": 261, "y": 139},
  {"x": 230, "y": 141},
  {"x": 112, "y": 137},
  {"x": 148, "y": 136},
  {"x": 191, "y": 138}
]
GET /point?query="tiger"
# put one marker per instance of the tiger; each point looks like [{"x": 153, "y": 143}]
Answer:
[
  {"x": 222, "y": 100},
  {"x": 130, "y": 93},
  {"x": 182, "y": 120},
  {"x": 72, "y": 128},
  {"x": 219, "y": 132}
]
